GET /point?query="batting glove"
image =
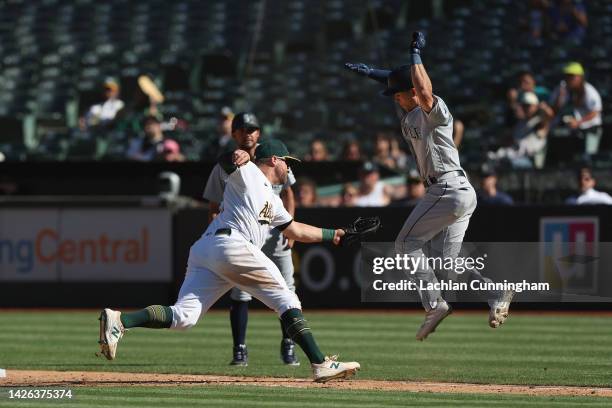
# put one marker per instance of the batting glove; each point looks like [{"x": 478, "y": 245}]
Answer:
[
  {"x": 418, "y": 42},
  {"x": 361, "y": 69}
]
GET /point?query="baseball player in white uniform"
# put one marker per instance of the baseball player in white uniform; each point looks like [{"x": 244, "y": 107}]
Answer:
[
  {"x": 438, "y": 223},
  {"x": 246, "y": 132},
  {"x": 229, "y": 255}
]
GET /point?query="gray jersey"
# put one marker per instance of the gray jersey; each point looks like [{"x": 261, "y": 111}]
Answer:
[{"x": 430, "y": 137}]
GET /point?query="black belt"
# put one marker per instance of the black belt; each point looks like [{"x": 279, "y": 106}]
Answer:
[
  {"x": 223, "y": 231},
  {"x": 433, "y": 180}
]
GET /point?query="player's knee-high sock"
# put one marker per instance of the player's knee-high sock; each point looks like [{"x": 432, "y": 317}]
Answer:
[
  {"x": 298, "y": 330},
  {"x": 283, "y": 331},
  {"x": 239, "y": 317},
  {"x": 153, "y": 317}
]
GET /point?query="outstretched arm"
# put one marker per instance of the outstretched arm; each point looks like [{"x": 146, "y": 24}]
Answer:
[
  {"x": 307, "y": 233},
  {"x": 379, "y": 75},
  {"x": 420, "y": 79}
]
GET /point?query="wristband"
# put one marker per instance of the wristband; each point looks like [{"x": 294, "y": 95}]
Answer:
[
  {"x": 328, "y": 234},
  {"x": 415, "y": 58}
]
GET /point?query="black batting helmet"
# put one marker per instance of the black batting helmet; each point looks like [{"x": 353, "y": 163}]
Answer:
[
  {"x": 245, "y": 120},
  {"x": 398, "y": 80}
]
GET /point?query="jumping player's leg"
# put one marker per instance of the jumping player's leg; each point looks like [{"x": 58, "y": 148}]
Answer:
[
  {"x": 441, "y": 207},
  {"x": 427, "y": 219},
  {"x": 448, "y": 243}
]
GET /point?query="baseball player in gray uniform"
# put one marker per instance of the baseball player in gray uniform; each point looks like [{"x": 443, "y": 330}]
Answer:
[
  {"x": 246, "y": 132},
  {"x": 438, "y": 223},
  {"x": 229, "y": 254}
]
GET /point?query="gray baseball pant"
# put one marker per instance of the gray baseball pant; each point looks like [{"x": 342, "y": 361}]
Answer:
[{"x": 435, "y": 228}]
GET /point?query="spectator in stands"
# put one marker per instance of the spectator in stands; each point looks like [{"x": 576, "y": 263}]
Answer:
[
  {"x": 372, "y": 191},
  {"x": 104, "y": 113},
  {"x": 306, "y": 194},
  {"x": 351, "y": 151},
  {"x": 349, "y": 195},
  {"x": 153, "y": 145},
  {"x": 382, "y": 151},
  {"x": 577, "y": 105},
  {"x": 171, "y": 151},
  {"x": 399, "y": 156},
  {"x": 488, "y": 193},
  {"x": 537, "y": 20},
  {"x": 318, "y": 151},
  {"x": 569, "y": 20},
  {"x": 588, "y": 194},
  {"x": 145, "y": 103},
  {"x": 529, "y": 135},
  {"x": 526, "y": 83},
  {"x": 224, "y": 127},
  {"x": 415, "y": 190}
]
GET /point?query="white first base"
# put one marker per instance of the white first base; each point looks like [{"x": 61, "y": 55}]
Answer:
[{"x": 2, "y": 372}]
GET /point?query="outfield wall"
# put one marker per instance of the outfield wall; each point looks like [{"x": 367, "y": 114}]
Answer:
[{"x": 89, "y": 257}]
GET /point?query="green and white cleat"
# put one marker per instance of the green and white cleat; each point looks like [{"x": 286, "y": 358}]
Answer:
[
  {"x": 111, "y": 331},
  {"x": 331, "y": 369},
  {"x": 499, "y": 309}
]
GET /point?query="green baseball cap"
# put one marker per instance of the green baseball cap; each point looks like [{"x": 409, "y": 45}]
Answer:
[{"x": 273, "y": 147}]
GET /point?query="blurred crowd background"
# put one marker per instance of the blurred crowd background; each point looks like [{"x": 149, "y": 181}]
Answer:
[{"x": 528, "y": 83}]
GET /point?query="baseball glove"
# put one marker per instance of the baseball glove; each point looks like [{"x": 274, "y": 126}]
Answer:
[{"x": 358, "y": 229}]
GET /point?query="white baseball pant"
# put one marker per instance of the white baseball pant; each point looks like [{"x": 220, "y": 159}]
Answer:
[
  {"x": 275, "y": 249},
  {"x": 219, "y": 262}
]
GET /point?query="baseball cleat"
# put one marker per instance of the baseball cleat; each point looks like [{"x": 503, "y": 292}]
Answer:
[
  {"x": 287, "y": 353},
  {"x": 331, "y": 369},
  {"x": 433, "y": 319},
  {"x": 240, "y": 356},
  {"x": 111, "y": 331},
  {"x": 498, "y": 312}
]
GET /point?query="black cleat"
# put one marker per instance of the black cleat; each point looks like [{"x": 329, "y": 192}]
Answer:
[
  {"x": 287, "y": 352},
  {"x": 241, "y": 356}
]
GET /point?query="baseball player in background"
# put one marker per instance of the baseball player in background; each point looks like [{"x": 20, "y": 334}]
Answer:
[
  {"x": 246, "y": 132},
  {"x": 229, "y": 255},
  {"x": 438, "y": 223}
]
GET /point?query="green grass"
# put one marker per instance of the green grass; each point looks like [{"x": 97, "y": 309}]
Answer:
[
  {"x": 529, "y": 349},
  {"x": 250, "y": 396}
]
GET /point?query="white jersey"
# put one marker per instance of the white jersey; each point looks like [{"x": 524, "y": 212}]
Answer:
[
  {"x": 218, "y": 177},
  {"x": 250, "y": 206}
]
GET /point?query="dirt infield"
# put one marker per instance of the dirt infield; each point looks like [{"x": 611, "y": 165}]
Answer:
[{"x": 24, "y": 378}]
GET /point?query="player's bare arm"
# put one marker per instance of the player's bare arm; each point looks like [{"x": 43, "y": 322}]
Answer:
[
  {"x": 309, "y": 234},
  {"x": 288, "y": 198},
  {"x": 213, "y": 210},
  {"x": 420, "y": 79}
]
